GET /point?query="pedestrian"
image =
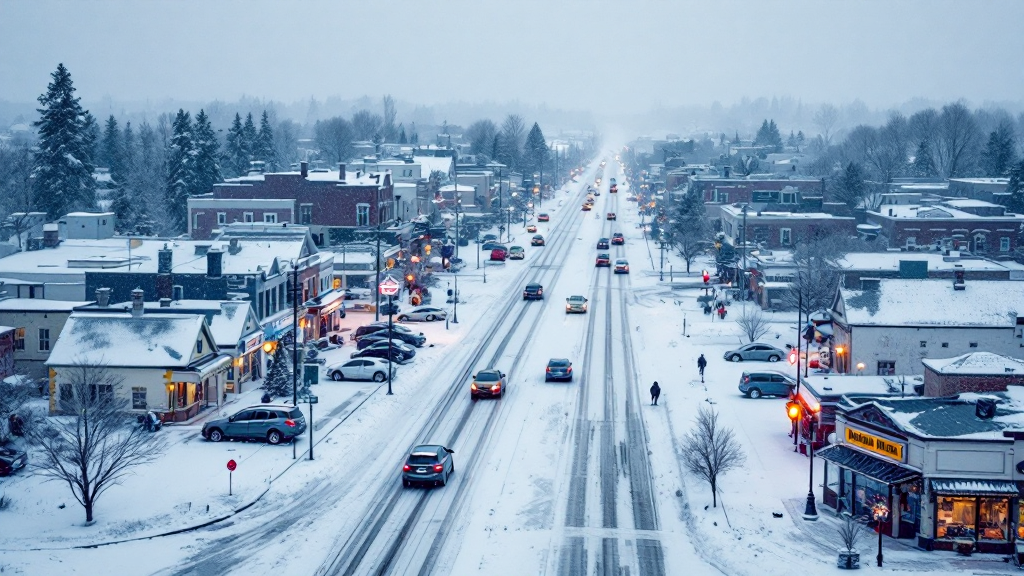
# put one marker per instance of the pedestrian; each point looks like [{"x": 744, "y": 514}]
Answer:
[
  {"x": 266, "y": 398},
  {"x": 702, "y": 363},
  {"x": 721, "y": 311},
  {"x": 655, "y": 393}
]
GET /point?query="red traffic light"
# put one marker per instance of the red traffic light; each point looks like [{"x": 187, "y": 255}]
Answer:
[{"x": 792, "y": 356}]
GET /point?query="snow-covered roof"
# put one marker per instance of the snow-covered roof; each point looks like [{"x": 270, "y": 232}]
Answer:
[
  {"x": 38, "y": 305},
  {"x": 226, "y": 318},
  {"x": 898, "y": 302},
  {"x": 737, "y": 211},
  {"x": 977, "y": 364},
  {"x": 351, "y": 178},
  {"x": 969, "y": 203},
  {"x": 981, "y": 180},
  {"x": 933, "y": 212},
  {"x": 150, "y": 341},
  {"x": 433, "y": 163},
  {"x": 952, "y": 417},
  {"x": 88, "y": 214},
  {"x": 936, "y": 261},
  {"x": 869, "y": 385},
  {"x": 462, "y": 188}
]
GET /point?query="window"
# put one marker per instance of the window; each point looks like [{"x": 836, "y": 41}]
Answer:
[
  {"x": 199, "y": 346},
  {"x": 270, "y": 217},
  {"x": 955, "y": 517},
  {"x": 306, "y": 214},
  {"x": 886, "y": 368},
  {"x": 785, "y": 236},
  {"x": 138, "y": 398},
  {"x": 66, "y": 394},
  {"x": 911, "y": 241},
  {"x": 195, "y": 220},
  {"x": 789, "y": 197},
  {"x": 1004, "y": 244},
  {"x": 19, "y": 339},
  {"x": 247, "y": 217},
  {"x": 101, "y": 392},
  {"x": 362, "y": 214},
  {"x": 44, "y": 339},
  {"x": 222, "y": 217},
  {"x": 924, "y": 343},
  {"x": 979, "y": 243},
  {"x": 973, "y": 344},
  {"x": 945, "y": 344}
]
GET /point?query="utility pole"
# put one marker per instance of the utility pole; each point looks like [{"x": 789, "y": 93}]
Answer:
[
  {"x": 295, "y": 334},
  {"x": 376, "y": 311},
  {"x": 746, "y": 285}
]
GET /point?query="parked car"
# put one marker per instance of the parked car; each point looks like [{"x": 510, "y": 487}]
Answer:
[
  {"x": 423, "y": 313},
  {"x": 533, "y": 292},
  {"x": 531, "y": 228},
  {"x": 490, "y": 382},
  {"x": 428, "y": 464},
  {"x": 597, "y": 192},
  {"x": 754, "y": 351},
  {"x": 488, "y": 237},
  {"x": 558, "y": 369},
  {"x": 618, "y": 238},
  {"x": 11, "y": 460},
  {"x": 376, "y": 351},
  {"x": 274, "y": 423},
  {"x": 399, "y": 332},
  {"x": 543, "y": 217},
  {"x": 767, "y": 383},
  {"x": 576, "y": 304},
  {"x": 611, "y": 216},
  {"x": 360, "y": 369},
  {"x": 621, "y": 266},
  {"x": 491, "y": 245},
  {"x": 602, "y": 244},
  {"x": 537, "y": 240},
  {"x": 603, "y": 260},
  {"x": 499, "y": 255},
  {"x": 516, "y": 253}
]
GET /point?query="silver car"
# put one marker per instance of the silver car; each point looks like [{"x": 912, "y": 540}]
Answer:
[
  {"x": 361, "y": 369},
  {"x": 755, "y": 351},
  {"x": 423, "y": 314}
]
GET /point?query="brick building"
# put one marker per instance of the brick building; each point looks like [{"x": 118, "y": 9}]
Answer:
[
  {"x": 973, "y": 372},
  {"x": 962, "y": 224},
  {"x": 717, "y": 190},
  {"x": 781, "y": 229}
]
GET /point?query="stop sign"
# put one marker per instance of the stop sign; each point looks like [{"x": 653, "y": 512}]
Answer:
[{"x": 232, "y": 465}]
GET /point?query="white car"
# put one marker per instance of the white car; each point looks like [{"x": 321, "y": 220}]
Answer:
[
  {"x": 423, "y": 313},
  {"x": 374, "y": 369}
]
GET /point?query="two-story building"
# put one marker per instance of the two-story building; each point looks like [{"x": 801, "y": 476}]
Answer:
[
  {"x": 775, "y": 230},
  {"x": 960, "y": 224},
  {"x": 725, "y": 190},
  {"x": 37, "y": 323}
]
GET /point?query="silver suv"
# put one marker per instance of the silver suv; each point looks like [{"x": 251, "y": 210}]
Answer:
[{"x": 274, "y": 423}]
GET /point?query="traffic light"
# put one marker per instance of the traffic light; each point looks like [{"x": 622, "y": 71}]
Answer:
[{"x": 792, "y": 356}]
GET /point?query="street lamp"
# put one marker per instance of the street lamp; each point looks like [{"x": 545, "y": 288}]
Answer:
[
  {"x": 839, "y": 358},
  {"x": 389, "y": 287},
  {"x": 795, "y": 412},
  {"x": 880, "y": 513}
]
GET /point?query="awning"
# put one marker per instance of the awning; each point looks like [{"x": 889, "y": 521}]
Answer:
[
  {"x": 197, "y": 373},
  {"x": 960, "y": 487},
  {"x": 867, "y": 465}
]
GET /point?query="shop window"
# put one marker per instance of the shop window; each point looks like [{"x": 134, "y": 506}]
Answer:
[
  {"x": 886, "y": 368},
  {"x": 138, "y": 398},
  {"x": 910, "y": 504},
  {"x": 993, "y": 519},
  {"x": 867, "y": 493},
  {"x": 955, "y": 517}
]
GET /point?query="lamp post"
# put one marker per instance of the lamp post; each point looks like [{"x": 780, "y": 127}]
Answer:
[
  {"x": 810, "y": 510},
  {"x": 389, "y": 287},
  {"x": 455, "y": 299},
  {"x": 295, "y": 333},
  {"x": 880, "y": 513}
]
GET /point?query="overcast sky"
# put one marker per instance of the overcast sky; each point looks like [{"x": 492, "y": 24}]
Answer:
[{"x": 600, "y": 56}]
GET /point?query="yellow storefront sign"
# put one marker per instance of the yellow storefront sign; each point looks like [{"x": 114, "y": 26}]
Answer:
[{"x": 876, "y": 444}]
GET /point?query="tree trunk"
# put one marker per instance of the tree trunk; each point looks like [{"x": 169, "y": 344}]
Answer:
[
  {"x": 88, "y": 509},
  {"x": 714, "y": 494}
]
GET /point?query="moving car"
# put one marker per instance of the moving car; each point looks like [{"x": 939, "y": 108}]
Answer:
[
  {"x": 576, "y": 304},
  {"x": 597, "y": 192},
  {"x": 274, "y": 423},
  {"x": 488, "y": 238},
  {"x": 491, "y": 245},
  {"x": 621, "y": 266},
  {"x": 618, "y": 238},
  {"x": 613, "y": 189},
  {"x": 490, "y": 382},
  {"x": 537, "y": 240},
  {"x": 423, "y": 313},
  {"x": 602, "y": 243},
  {"x": 499, "y": 254},
  {"x": 558, "y": 369},
  {"x": 428, "y": 464},
  {"x": 516, "y": 253},
  {"x": 360, "y": 369},
  {"x": 755, "y": 351},
  {"x": 603, "y": 260},
  {"x": 11, "y": 460},
  {"x": 611, "y": 216},
  {"x": 531, "y": 228},
  {"x": 767, "y": 383},
  {"x": 543, "y": 217},
  {"x": 587, "y": 207},
  {"x": 533, "y": 292}
]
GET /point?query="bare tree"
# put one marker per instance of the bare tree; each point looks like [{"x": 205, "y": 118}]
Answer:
[
  {"x": 390, "y": 114},
  {"x": 481, "y": 137},
  {"x": 689, "y": 229},
  {"x": 826, "y": 119},
  {"x": 753, "y": 323},
  {"x": 958, "y": 141},
  {"x": 710, "y": 450},
  {"x": 817, "y": 275},
  {"x": 513, "y": 133},
  {"x": 367, "y": 126},
  {"x": 97, "y": 442},
  {"x": 16, "y": 189},
  {"x": 334, "y": 138}
]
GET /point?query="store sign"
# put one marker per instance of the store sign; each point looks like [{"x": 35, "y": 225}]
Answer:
[{"x": 876, "y": 444}]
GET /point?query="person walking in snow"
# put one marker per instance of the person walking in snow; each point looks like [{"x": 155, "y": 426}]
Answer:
[
  {"x": 702, "y": 363},
  {"x": 655, "y": 393}
]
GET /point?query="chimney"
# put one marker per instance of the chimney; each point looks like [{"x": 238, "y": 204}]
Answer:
[
  {"x": 137, "y": 303},
  {"x": 164, "y": 260},
  {"x": 214, "y": 263},
  {"x": 165, "y": 302},
  {"x": 233, "y": 247},
  {"x": 103, "y": 297},
  {"x": 958, "y": 278},
  {"x": 51, "y": 236},
  {"x": 304, "y": 168},
  {"x": 341, "y": 171},
  {"x": 890, "y": 211},
  {"x": 985, "y": 408},
  {"x": 871, "y": 284}
]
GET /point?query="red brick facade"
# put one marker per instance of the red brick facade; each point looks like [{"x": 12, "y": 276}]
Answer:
[
  {"x": 732, "y": 190},
  {"x": 936, "y": 384}
]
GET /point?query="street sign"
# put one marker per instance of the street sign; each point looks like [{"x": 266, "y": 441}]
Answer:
[
  {"x": 232, "y": 465},
  {"x": 310, "y": 374},
  {"x": 312, "y": 399}
]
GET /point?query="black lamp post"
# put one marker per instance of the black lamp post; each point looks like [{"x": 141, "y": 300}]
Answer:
[
  {"x": 810, "y": 510},
  {"x": 880, "y": 513},
  {"x": 389, "y": 287}
]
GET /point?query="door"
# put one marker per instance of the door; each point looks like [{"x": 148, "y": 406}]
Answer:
[
  {"x": 779, "y": 387},
  {"x": 259, "y": 424},
  {"x": 238, "y": 426},
  {"x": 363, "y": 370}
]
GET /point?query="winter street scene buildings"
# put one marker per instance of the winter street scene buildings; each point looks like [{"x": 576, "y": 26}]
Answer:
[{"x": 265, "y": 313}]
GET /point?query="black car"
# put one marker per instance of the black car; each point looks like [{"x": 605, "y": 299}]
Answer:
[
  {"x": 533, "y": 292},
  {"x": 375, "y": 351},
  {"x": 405, "y": 349},
  {"x": 602, "y": 244},
  {"x": 488, "y": 237},
  {"x": 491, "y": 245},
  {"x": 558, "y": 369},
  {"x": 398, "y": 332},
  {"x": 11, "y": 460},
  {"x": 428, "y": 464}
]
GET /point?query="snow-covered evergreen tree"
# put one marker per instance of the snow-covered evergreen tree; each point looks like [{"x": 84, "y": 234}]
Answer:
[
  {"x": 207, "y": 166},
  {"x": 536, "y": 148},
  {"x": 63, "y": 162},
  {"x": 265, "y": 149},
  {"x": 278, "y": 381},
  {"x": 924, "y": 163},
  {"x": 236, "y": 158},
  {"x": 181, "y": 172},
  {"x": 110, "y": 148},
  {"x": 250, "y": 137},
  {"x": 1000, "y": 153}
]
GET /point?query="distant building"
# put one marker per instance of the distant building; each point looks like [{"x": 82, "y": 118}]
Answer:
[
  {"x": 775, "y": 230},
  {"x": 960, "y": 224},
  {"x": 87, "y": 225},
  {"x": 725, "y": 190},
  {"x": 37, "y": 324},
  {"x": 974, "y": 372}
]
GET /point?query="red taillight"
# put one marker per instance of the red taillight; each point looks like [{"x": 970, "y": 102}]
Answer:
[
  {"x": 549, "y": 368},
  {"x": 746, "y": 379},
  {"x": 406, "y": 468},
  {"x": 438, "y": 467},
  {"x": 290, "y": 423},
  {"x": 496, "y": 388},
  {"x": 569, "y": 369}
]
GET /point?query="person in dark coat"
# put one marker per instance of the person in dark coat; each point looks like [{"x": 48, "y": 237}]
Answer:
[
  {"x": 702, "y": 363},
  {"x": 266, "y": 398},
  {"x": 655, "y": 393}
]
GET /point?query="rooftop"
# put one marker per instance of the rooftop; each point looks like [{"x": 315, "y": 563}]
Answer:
[
  {"x": 953, "y": 417},
  {"x": 351, "y": 178},
  {"x": 882, "y": 261},
  {"x": 932, "y": 212},
  {"x": 977, "y": 364},
  {"x": 737, "y": 211},
  {"x": 38, "y": 305},
  {"x": 870, "y": 385},
  {"x": 118, "y": 339},
  {"x": 899, "y": 302}
]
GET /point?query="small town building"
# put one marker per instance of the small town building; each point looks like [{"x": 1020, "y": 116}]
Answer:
[
  {"x": 36, "y": 323},
  {"x": 957, "y": 224},
  {"x": 6, "y": 352},
  {"x": 774, "y": 230},
  {"x": 973, "y": 372}
]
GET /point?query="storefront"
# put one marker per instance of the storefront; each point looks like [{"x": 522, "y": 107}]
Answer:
[
  {"x": 325, "y": 313},
  {"x": 248, "y": 364},
  {"x": 821, "y": 393}
]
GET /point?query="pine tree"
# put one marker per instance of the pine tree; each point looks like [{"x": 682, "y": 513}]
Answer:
[
  {"x": 110, "y": 148},
  {"x": 207, "y": 168},
  {"x": 278, "y": 380},
  {"x": 999, "y": 154},
  {"x": 791, "y": 142},
  {"x": 401, "y": 135},
  {"x": 235, "y": 155},
  {"x": 536, "y": 149},
  {"x": 1015, "y": 202},
  {"x": 265, "y": 143},
  {"x": 63, "y": 164},
  {"x": 181, "y": 172},
  {"x": 250, "y": 137},
  {"x": 849, "y": 188},
  {"x": 924, "y": 162}
]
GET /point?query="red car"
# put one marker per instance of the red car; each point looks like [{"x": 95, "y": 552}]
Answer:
[
  {"x": 618, "y": 238},
  {"x": 543, "y": 218},
  {"x": 603, "y": 259},
  {"x": 499, "y": 255},
  {"x": 614, "y": 189}
]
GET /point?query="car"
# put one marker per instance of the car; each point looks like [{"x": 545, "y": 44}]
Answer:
[
  {"x": 543, "y": 217},
  {"x": 590, "y": 198},
  {"x": 531, "y": 228},
  {"x": 533, "y": 292},
  {"x": 587, "y": 207},
  {"x": 488, "y": 238},
  {"x": 618, "y": 238},
  {"x": 360, "y": 369},
  {"x": 274, "y": 423},
  {"x": 768, "y": 383},
  {"x": 428, "y": 464},
  {"x": 576, "y": 304},
  {"x": 602, "y": 243},
  {"x": 611, "y": 216},
  {"x": 558, "y": 369},
  {"x": 597, "y": 192},
  {"x": 613, "y": 189},
  {"x": 537, "y": 240},
  {"x": 612, "y": 181},
  {"x": 406, "y": 350},
  {"x": 621, "y": 266},
  {"x": 755, "y": 351},
  {"x": 398, "y": 332},
  {"x": 490, "y": 382},
  {"x": 376, "y": 351},
  {"x": 603, "y": 260},
  {"x": 11, "y": 460},
  {"x": 423, "y": 313},
  {"x": 491, "y": 245},
  {"x": 516, "y": 253},
  {"x": 499, "y": 254}
]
